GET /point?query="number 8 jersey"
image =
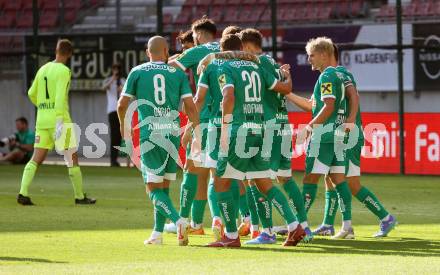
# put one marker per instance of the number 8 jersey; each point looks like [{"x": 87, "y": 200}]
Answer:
[{"x": 161, "y": 87}]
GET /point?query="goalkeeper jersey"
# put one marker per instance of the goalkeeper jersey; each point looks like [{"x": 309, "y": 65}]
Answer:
[{"x": 49, "y": 93}]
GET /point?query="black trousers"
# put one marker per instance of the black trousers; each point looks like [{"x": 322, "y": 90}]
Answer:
[{"x": 115, "y": 135}]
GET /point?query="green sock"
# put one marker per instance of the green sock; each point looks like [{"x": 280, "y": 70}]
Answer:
[
  {"x": 163, "y": 204},
  {"x": 197, "y": 211},
  {"x": 28, "y": 176},
  {"x": 244, "y": 206},
  {"x": 187, "y": 193},
  {"x": 264, "y": 207},
  {"x": 159, "y": 219},
  {"x": 344, "y": 195},
  {"x": 235, "y": 190},
  {"x": 295, "y": 200},
  {"x": 227, "y": 208},
  {"x": 370, "y": 201},
  {"x": 252, "y": 207},
  {"x": 331, "y": 206},
  {"x": 281, "y": 204},
  {"x": 76, "y": 179},
  {"x": 212, "y": 200},
  {"x": 309, "y": 194}
]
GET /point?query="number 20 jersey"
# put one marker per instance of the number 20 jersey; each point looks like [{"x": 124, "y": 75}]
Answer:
[{"x": 250, "y": 83}]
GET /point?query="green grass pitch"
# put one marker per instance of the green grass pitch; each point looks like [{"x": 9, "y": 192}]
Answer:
[{"x": 57, "y": 237}]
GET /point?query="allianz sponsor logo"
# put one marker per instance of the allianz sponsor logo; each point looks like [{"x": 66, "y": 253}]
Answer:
[
  {"x": 332, "y": 205},
  {"x": 278, "y": 206},
  {"x": 225, "y": 211},
  {"x": 163, "y": 206},
  {"x": 370, "y": 200},
  {"x": 184, "y": 197},
  {"x": 430, "y": 59},
  {"x": 266, "y": 209}
]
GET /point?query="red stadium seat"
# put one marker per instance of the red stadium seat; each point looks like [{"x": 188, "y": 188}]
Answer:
[
  {"x": 204, "y": 2},
  {"x": 183, "y": 18},
  {"x": 216, "y": 14},
  {"x": 409, "y": 10},
  {"x": 356, "y": 8},
  {"x": 96, "y": 3},
  {"x": 70, "y": 15},
  {"x": 234, "y": 2},
  {"x": 231, "y": 15},
  {"x": 5, "y": 44},
  {"x": 13, "y": 5},
  {"x": 51, "y": 4},
  {"x": 387, "y": 12},
  {"x": 343, "y": 9},
  {"x": 29, "y": 4},
  {"x": 25, "y": 21},
  {"x": 8, "y": 20},
  {"x": 249, "y": 2},
  {"x": 73, "y": 4},
  {"x": 167, "y": 19},
  {"x": 190, "y": 3},
  {"x": 48, "y": 20},
  {"x": 422, "y": 9},
  {"x": 324, "y": 14},
  {"x": 200, "y": 12}
]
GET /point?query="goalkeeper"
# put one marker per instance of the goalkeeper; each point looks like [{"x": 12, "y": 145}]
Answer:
[{"x": 49, "y": 93}]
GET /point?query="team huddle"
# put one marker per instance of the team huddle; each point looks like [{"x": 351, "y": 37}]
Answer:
[{"x": 238, "y": 139}]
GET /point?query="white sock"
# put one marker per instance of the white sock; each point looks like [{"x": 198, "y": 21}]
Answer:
[
  {"x": 183, "y": 221},
  {"x": 232, "y": 235},
  {"x": 254, "y": 227},
  {"x": 292, "y": 226},
  {"x": 327, "y": 225},
  {"x": 156, "y": 235},
  {"x": 268, "y": 231},
  {"x": 304, "y": 224},
  {"x": 386, "y": 218},
  {"x": 196, "y": 225},
  {"x": 346, "y": 225}
]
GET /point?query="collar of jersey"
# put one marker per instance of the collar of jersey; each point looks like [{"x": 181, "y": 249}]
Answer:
[{"x": 157, "y": 62}]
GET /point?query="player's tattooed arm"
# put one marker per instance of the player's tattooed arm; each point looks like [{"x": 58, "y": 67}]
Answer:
[{"x": 226, "y": 55}]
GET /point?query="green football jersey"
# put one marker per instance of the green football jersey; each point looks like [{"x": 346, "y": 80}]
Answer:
[
  {"x": 190, "y": 59},
  {"x": 350, "y": 77},
  {"x": 26, "y": 137},
  {"x": 275, "y": 103},
  {"x": 158, "y": 88},
  {"x": 330, "y": 84},
  {"x": 49, "y": 93},
  {"x": 209, "y": 79},
  {"x": 250, "y": 83}
]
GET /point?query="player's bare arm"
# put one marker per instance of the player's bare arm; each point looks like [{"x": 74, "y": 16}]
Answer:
[
  {"x": 353, "y": 99},
  {"x": 325, "y": 113},
  {"x": 227, "y": 109},
  {"x": 200, "y": 96},
  {"x": 123, "y": 103}
]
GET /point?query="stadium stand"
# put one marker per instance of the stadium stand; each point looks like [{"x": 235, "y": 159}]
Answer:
[{"x": 140, "y": 15}]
